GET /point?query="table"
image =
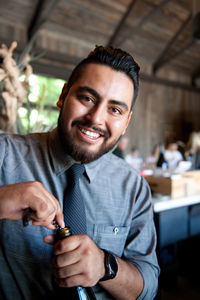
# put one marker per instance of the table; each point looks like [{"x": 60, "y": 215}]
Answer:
[{"x": 176, "y": 219}]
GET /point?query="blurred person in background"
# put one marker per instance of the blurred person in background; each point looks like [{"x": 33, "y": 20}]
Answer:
[
  {"x": 193, "y": 150},
  {"x": 172, "y": 155},
  {"x": 134, "y": 159},
  {"x": 152, "y": 159},
  {"x": 181, "y": 148}
]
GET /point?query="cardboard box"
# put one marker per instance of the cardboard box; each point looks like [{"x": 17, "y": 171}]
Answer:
[
  {"x": 192, "y": 182},
  {"x": 172, "y": 186},
  {"x": 176, "y": 186}
]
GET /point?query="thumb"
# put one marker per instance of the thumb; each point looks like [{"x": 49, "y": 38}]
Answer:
[{"x": 50, "y": 239}]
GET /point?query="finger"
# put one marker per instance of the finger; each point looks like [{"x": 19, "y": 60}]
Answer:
[
  {"x": 61, "y": 273},
  {"x": 47, "y": 209},
  {"x": 50, "y": 239},
  {"x": 46, "y": 203},
  {"x": 67, "y": 245},
  {"x": 65, "y": 259},
  {"x": 50, "y": 226},
  {"x": 44, "y": 214},
  {"x": 44, "y": 224},
  {"x": 60, "y": 218},
  {"x": 44, "y": 219},
  {"x": 49, "y": 222},
  {"x": 71, "y": 281}
]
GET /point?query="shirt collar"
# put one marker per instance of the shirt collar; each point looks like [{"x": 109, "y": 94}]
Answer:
[
  {"x": 62, "y": 161},
  {"x": 93, "y": 168}
]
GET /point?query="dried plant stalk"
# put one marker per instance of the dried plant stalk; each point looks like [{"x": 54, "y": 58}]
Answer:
[{"x": 12, "y": 90}]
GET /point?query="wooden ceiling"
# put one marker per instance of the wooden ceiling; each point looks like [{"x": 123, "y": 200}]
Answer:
[{"x": 59, "y": 33}]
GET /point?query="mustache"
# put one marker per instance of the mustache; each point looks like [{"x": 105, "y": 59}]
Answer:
[{"x": 103, "y": 132}]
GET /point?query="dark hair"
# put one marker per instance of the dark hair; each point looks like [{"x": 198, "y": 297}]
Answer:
[
  {"x": 134, "y": 149},
  {"x": 117, "y": 59}
]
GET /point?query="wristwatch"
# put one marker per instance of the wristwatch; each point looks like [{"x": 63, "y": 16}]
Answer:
[{"x": 111, "y": 266}]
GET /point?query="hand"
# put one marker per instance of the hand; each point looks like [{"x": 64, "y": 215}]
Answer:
[
  {"x": 77, "y": 261},
  {"x": 44, "y": 207}
]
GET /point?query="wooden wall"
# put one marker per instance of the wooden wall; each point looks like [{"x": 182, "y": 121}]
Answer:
[{"x": 161, "y": 111}]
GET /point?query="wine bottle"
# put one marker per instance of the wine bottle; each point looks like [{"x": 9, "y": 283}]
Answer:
[{"x": 74, "y": 293}]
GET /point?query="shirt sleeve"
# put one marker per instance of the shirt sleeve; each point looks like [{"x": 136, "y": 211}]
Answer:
[
  {"x": 141, "y": 243},
  {"x": 2, "y": 149}
]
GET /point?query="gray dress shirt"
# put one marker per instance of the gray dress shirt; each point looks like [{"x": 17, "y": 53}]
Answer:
[{"x": 118, "y": 211}]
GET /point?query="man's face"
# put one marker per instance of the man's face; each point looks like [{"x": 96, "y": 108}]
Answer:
[
  {"x": 95, "y": 112},
  {"x": 173, "y": 147}
]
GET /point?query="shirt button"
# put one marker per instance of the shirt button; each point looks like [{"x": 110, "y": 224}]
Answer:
[{"x": 116, "y": 230}]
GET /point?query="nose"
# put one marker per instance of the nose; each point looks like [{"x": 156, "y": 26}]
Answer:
[{"x": 97, "y": 115}]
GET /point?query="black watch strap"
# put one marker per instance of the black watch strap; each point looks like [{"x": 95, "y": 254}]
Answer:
[{"x": 111, "y": 266}]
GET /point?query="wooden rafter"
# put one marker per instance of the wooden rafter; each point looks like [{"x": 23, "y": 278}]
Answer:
[
  {"x": 195, "y": 75},
  {"x": 121, "y": 23},
  {"x": 40, "y": 16},
  {"x": 51, "y": 55},
  {"x": 161, "y": 59},
  {"x": 41, "y": 67},
  {"x": 152, "y": 13},
  {"x": 181, "y": 50},
  {"x": 175, "y": 84}
]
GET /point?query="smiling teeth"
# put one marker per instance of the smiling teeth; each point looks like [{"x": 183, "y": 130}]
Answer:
[{"x": 89, "y": 133}]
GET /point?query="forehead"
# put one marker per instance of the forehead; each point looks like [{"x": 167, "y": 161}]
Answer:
[{"x": 107, "y": 82}]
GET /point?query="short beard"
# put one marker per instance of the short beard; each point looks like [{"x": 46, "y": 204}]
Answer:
[{"x": 83, "y": 156}]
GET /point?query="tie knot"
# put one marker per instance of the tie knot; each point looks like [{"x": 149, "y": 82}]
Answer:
[{"x": 75, "y": 171}]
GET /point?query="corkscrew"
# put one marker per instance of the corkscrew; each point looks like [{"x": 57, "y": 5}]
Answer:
[{"x": 26, "y": 217}]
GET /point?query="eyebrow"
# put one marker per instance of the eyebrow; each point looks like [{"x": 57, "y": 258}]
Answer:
[
  {"x": 90, "y": 91},
  {"x": 120, "y": 103},
  {"x": 98, "y": 97}
]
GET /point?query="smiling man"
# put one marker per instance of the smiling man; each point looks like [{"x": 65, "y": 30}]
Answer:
[
  {"x": 95, "y": 112},
  {"x": 117, "y": 255}
]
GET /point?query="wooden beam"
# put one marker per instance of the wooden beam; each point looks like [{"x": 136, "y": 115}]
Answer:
[
  {"x": 40, "y": 16},
  {"x": 170, "y": 83},
  {"x": 48, "y": 70},
  {"x": 152, "y": 13},
  {"x": 181, "y": 50},
  {"x": 121, "y": 23},
  {"x": 160, "y": 61},
  {"x": 63, "y": 72},
  {"x": 195, "y": 75},
  {"x": 55, "y": 56},
  {"x": 43, "y": 65},
  {"x": 51, "y": 55}
]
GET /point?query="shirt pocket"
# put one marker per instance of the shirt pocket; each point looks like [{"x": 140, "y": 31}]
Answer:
[{"x": 111, "y": 238}]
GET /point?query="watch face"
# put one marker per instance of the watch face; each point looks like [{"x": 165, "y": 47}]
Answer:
[{"x": 111, "y": 266}]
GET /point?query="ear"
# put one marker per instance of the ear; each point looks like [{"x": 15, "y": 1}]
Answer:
[
  {"x": 62, "y": 96},
  {"x": 127, "y": 122}
]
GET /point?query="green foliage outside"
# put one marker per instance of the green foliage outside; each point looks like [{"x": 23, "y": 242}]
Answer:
[{"x": 39, "y": 112}]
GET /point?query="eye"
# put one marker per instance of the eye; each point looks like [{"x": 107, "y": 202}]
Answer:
[
  {"x": 85, "y": 98},
  {"x": 88, "y": 99},
  {"x": 115, "y": 110}
]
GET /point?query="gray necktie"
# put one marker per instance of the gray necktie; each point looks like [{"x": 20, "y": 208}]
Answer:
[{"x": 73, "y": 206}]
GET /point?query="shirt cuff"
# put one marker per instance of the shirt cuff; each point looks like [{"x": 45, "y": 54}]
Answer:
[{"x": 150, "y": 280}]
